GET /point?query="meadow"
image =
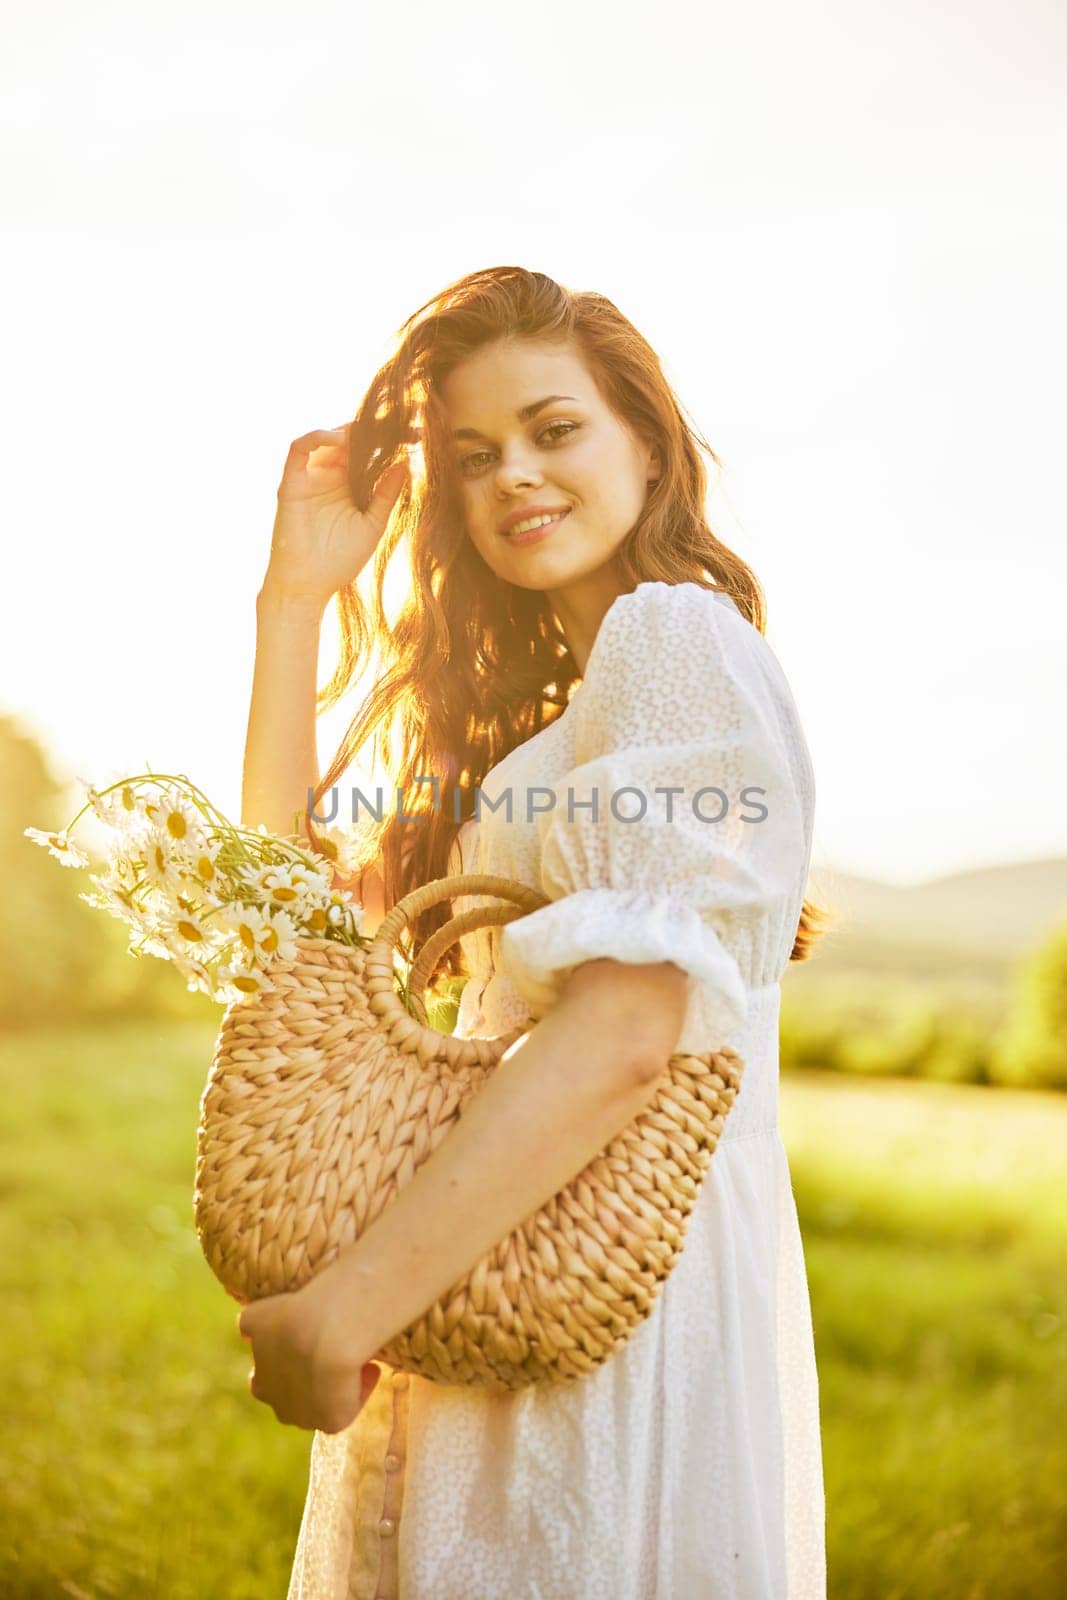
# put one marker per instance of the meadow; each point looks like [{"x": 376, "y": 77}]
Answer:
[{"x": 934, "y": 1218}]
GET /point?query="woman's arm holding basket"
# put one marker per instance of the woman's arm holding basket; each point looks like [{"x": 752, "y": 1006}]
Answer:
[
  {"x": 551, "y": 1105},
  {"x": 554, "y": 1102}
]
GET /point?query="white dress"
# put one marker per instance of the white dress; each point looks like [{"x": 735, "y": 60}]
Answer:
[{"x": 688, "y": 1466}]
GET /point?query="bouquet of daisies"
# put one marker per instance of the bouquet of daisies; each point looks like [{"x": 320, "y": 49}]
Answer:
[{"x": 222, "y": 902}]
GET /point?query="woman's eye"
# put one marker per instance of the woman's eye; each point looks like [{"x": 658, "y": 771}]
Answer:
[
  {"x": 567, "y": 426},
  {"x": 469, "y": 465}
]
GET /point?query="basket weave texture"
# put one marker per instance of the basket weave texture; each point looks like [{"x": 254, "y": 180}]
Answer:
[{"x": 325, "y": 1096}]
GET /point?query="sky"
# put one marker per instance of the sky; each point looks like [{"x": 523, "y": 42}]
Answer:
[{"x": 842, "y": 227}]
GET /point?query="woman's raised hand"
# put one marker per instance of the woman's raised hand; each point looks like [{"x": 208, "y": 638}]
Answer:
[{"x": 321, "y": 541}]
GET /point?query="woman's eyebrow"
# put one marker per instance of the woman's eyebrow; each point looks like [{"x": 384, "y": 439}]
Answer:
[{"x": 524, "y": 414}]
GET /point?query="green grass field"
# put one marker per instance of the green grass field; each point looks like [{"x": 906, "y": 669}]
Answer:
[{"x": 138, "y": 1465}]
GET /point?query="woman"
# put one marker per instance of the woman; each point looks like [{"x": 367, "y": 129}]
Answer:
[{"x": 574, "y": 625}]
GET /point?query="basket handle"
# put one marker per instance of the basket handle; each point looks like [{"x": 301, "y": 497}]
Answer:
[{"x": 379, "y": 959}]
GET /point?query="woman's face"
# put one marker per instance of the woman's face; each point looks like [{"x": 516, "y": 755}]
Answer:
[{"x": 569, "y": 455}]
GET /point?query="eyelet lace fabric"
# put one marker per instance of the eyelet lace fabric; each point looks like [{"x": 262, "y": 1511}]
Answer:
[{"x": 689, "y": 1465}]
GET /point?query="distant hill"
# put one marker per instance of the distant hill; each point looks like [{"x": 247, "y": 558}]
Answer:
[{"x": 972, "y": 926}]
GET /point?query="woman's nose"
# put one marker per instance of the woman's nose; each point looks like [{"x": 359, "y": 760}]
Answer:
[{"x": 516, "y": 471}]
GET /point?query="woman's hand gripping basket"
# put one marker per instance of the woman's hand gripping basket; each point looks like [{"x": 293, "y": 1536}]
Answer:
[{"x": 326, "y": 1095}]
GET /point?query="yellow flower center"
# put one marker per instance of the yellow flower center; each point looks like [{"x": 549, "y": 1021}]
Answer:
[
  {"x": 189, "y": 930},
  {"x": 176, "y": 825},
  {"x": 317, "y": 919},
  {"x": 282, "y": 892},
  {"x": 248, "y": 938},
  {"x": 246, "y": 985}
]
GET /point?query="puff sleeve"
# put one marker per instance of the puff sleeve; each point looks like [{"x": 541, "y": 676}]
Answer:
[{"x": 681, "y": 834}]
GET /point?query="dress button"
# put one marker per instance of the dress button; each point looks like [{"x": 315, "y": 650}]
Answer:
[
  {"x": 391, "y": 1462},
  {"x": 400, "y": 1380},
  {"x": 386, "y": 1527}
]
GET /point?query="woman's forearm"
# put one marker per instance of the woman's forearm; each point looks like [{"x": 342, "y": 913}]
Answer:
[
  {"x": 281, "y": 761},
  {"x": 581, "y": 1076}
]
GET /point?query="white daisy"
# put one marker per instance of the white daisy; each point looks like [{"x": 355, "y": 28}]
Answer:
[
  {"x": 179, "y": 819},
  {"x": 117, "y": 891},
  {"x": 292, "y": 887},
  {"x": 151, "y": 938},
  {"x": 337, "y": 910},
  {"x": 277, "y": 935},
  {"x": 118, "y": 805},
  {"x": 122, "y": 871},
  {"x": 163, "y": 861},
  {"x": 111, "y": 897},
  {"x": 343, "y": 855},
  {"x": 95, "y": 799},
  {"x": 198, "y": 978},
  {"x": 189, "y": 932},
  {"x": 241, "y": 984},
  {"x": 263, "y": 932},
  {"x": 60, "y": 845},
  {"x": 243, "y": 924},
  {"x": 199, "y": 875},
  {"x": 316, "y": 880}
]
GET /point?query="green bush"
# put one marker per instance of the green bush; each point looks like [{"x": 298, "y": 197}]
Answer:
[
  {"x": 960, "y": 1052},
  {"x": 891, "y": 1032},
  {"x": 1033, "y": 1047}
]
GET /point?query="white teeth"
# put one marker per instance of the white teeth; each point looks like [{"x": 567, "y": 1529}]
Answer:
[{"x": 536, "y": 522}]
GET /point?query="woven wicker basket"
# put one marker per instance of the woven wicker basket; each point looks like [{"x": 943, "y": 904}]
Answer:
[{"x": 325, "y": 1096}]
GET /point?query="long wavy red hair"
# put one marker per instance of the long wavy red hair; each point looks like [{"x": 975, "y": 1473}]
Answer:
[{"x": 475, "y": 665}]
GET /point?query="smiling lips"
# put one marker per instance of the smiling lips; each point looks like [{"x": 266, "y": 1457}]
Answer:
[{"x": 529, "y": 524}]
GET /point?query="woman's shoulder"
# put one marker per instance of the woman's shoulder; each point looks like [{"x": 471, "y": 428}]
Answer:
[
  {"x": 658, "y": 603},
  {"x": 658, "y": 621},
  {"x": 687, "y": 650}
]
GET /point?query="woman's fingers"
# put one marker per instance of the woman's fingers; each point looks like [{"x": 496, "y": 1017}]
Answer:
[
  {"x": 333, "y": 444},
  {"x": 370, "y": 1372},
  {"x": 384, "y": 493},
  {"x": 301, "y": 448}
]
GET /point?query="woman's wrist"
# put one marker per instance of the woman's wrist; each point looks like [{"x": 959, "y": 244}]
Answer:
[
  {"x": 339, "y": 1305},
  {"x": 277, "y": 602}
]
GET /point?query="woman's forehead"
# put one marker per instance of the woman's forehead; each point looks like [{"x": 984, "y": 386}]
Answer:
[{"x": 513, "y": 373}]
